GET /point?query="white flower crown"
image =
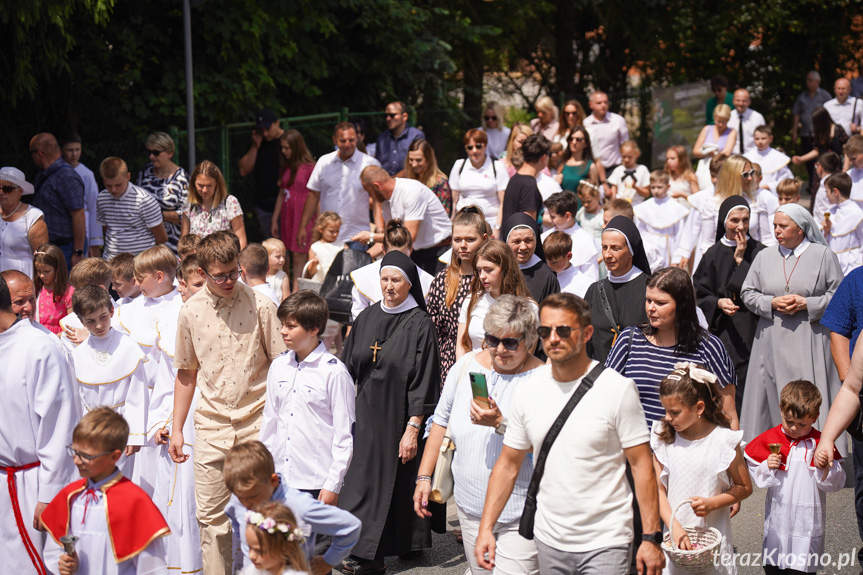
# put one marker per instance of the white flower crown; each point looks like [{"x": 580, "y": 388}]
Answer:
[{"x": 270, "y": 525}]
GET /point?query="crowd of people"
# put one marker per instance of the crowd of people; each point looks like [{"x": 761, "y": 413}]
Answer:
[{"x": 205, "y": 385}]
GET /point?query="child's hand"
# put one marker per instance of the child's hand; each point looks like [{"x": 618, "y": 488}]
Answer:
[
  {"x": 68, "y": 564},
  {"x": 826, "y": 226},
  {"x": 823, "y": 455},
  {"x": 163, "y": 437},
  {"x": 701, "y": 506},
  {"x": 681, "y": 538},
  {"x": 132, "y": 449},
  {"x": 774, "y": 460},
  {"x": 312, "y": 268},
  {"x": 76, "y": 336},
  {"x": 317, "y": 566}
]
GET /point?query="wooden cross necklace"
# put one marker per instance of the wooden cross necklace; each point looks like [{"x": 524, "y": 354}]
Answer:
[{"x": 375, "y": 348}]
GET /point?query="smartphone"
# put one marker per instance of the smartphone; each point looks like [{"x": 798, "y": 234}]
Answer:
[{"x": 480, "y": 389}]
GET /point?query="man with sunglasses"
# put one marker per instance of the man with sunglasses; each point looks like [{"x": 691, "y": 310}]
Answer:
[
  {"x": 392, "y": 144},
  {"x": 37, "y": 415},
  {"x": 583, "y": 517},
  {"x": 262, "y": 160}
]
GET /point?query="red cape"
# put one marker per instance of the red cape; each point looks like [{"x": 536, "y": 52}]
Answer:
[
  {"x": 133, "y": 519},
  {"x": 757, "y": 450}
]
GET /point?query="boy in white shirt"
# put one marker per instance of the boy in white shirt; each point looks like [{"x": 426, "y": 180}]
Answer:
[
  {"x": 774, "y": 164},
  {"x": 558, "y": 252},
  {"x": 661, "y": 221},
  {"x": 310, "y": 405},
  {"x": 843, "y": 223},
  {"x": 560, "y": 210},
  {"x": 254, "y": 263},
  {"x": 110, "y": 367},
  {"x": 630, "y": 180},
  {"x": 854, "y": 152}
]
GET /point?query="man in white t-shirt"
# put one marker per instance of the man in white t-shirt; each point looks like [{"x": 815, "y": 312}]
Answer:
[
  {"x": 335, "y": 185},
  {"x": 844, "y": 109},
  {"x": 744, "y": 119},
  {"x": 584, "y": 514},
  {"x": 420, "y": 210},
  {"x": 607, "y": 131}
]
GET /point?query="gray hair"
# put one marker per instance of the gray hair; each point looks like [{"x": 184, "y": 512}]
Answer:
[
  {"x": 814, "y": 74},
  {"x": 162, "y": 141},
  {"x": 513, "y": 313}
]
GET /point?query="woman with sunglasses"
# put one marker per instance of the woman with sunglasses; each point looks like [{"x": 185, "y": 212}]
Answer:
[
  {"x": 497, "y": 132},
  {"x": 571, "y": 116},
  {"x": 167, "y": 182},
  {"x": 23, "y": 227},
  {"x": 648, "y": 352},
  {"x": 479, "y": 180},
  {"x": 509, "y": 334},
  {"x": 495, "y": 273},
  {"x": 577, "y": 163}
]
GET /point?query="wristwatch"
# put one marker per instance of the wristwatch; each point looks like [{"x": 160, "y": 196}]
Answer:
[
  {"x": 371, "y": 241},
  {"x": 501, "y": 429},
  {"x": 652, "y": 537},
  {"x": 78, "y": 252}
]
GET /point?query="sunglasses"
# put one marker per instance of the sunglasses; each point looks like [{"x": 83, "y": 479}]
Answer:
[
  {"x": 8, "y": 189},
  {"x": 84, "y": 456},
  {"x": 570, "y": 113},
  {"x": 490, "y": 118},
  {"x": 510, "y": 343},
  {"x": 748, "y": 173},
  {"x": 154, "y": 152},
  {"x": 470, "y": 148},
  {"x": 388, "y": 116},
  {"x": 222, "y": 279},
  {"x": 579, "y": 140},
  {"x": 563, "y": 331}
]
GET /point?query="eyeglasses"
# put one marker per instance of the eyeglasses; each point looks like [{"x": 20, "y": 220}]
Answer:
[
  {"x": 478, "y": 147},
  {"x": 490, "y": 118},
  {"x": 222, "y": 279},
  {"x": 510, "y": 343},
  {"x": 563, "y": 331},
  {"x": 8, "y": 189},
  {"x": 154, "y": 152},
  {"x": 84, "y": 456},
  {"x": 388, "y": 116},
  {"x": 748, "y": 174}
]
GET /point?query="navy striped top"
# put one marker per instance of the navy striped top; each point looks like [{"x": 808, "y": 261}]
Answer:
[{"x": 648, "y": 365}]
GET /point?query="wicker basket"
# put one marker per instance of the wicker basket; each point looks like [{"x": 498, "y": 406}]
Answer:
[{"x": 697, "y": 560}]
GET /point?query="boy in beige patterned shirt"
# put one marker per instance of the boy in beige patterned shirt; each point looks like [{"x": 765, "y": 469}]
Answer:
[{"x": 227, "y": 335}]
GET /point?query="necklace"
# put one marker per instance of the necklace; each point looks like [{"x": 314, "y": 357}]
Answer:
[
  {"x": 12, "y": 213},
  {"x": 788, "y": 277}
]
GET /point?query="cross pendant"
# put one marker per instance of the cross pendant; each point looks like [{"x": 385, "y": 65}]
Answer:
[{"x": 375, "y": 348}]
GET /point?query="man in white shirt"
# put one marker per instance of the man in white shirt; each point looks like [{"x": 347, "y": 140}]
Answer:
[
  {"x": 607, "y": 131},
  {"x": 584, "y": 505},
  {"x": 744, "y": 119},
  {"x": 420, "y": 210},
  {"x": 335, "y": 185},
  {"x": 844, "y": 109}
]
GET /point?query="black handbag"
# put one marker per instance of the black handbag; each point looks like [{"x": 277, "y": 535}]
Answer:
[
  {"x": 525, "y": 524},
  {"x": 337, "y": 285}
]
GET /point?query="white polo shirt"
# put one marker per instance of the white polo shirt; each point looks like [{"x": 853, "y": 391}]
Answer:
[
  {"x": 342, "y": 192},
  {"x": 413, "y": 201},
  {"x": 479, "y": 186},
  {"x": 846, "y": 113}
]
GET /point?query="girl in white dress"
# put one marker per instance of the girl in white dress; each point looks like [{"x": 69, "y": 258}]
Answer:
[
  {"x": 325, "y": 247},
  {"x": 697, "y": 456},
  {"x": 275, "y": 541}
]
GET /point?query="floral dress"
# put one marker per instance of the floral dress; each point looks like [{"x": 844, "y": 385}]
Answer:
[
  {"x": 445, "y": 317},
  {"x": 171, "y": 193},
  {"x": 443, "y": 192},
  {"x": 204, "y": 222}
]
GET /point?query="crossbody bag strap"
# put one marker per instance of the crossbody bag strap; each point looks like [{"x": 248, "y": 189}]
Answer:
[
  {"x": 404, "y": 319},
  {"x": 606, "y": 308},
  {"x": 557, "y": 426}
]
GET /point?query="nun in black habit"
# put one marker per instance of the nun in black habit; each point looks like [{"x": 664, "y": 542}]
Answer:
[
  {"x": 527, "y": 247},
  {"x": 617, "y": 302},
  {"x": 392, "y": 355},
  {"x": 718, "y": 280}
]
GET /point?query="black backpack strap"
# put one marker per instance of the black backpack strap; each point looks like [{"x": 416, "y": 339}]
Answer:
[{"x": 525, "y": 527}]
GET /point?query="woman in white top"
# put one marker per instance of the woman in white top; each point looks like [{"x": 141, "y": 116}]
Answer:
[
  {"x": 495, "y": 273},
  {"x": 571, "y": 116},
  {"x": 493, "y": 126},
  {"x": 23, "y": 227},
  {"x": 510, "y": 332},
  {"x": 479, "y": 180}
]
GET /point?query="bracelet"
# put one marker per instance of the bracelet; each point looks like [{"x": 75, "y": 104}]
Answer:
[
  {"x": 414, "y": 425},
  {"x": 423, "y": 478}
]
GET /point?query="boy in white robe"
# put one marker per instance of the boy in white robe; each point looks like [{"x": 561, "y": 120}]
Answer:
[
  {"x": 796, "y": 497},
  {"x": 119, "y": 530},
  {"x": 558, "y": 253},
  {"x": 123, "y": 278},
  {"x": 765, "y": 203},
  {"x": 37, "y": 415},
  {"x": 774, "y": 164},
  {"x": 661, "y": 221},
  {"x": 155, "y": 271},
  {"x": 89, "y": 271},
  {"x": 174, "y": 491},
  {"x": 110, "y": 367},
  {"x": 560, "y": 210},
  {"x": 854, "y": 151},
  {"x": 828, "y": 163},
  {"x": 842, "y": 224}
]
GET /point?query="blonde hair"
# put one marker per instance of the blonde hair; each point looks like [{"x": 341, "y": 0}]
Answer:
[
  {"x": 277, "y": 543},
  {"x": 499, "y": 112},
  {"x": 547, "y": 104},
  {"x": 156, "y": 259},
  {"x": 247, "y": 465},
  {"x": 123, "y": 266},
  {"x": 431, "y": 172},
  {"x": 722, "y": 111},
  {"x": 729, "y": 183},
  {"x": 90, "y": 271},
  {"x": 517, "y": 128},
  {"x": 102, "y": 428},
  {"x": 271, "y": 244},
  {"x": 113, "y": 167},
  {"x": 211, "y": 170},
  {"x": 322, "y": 222}
]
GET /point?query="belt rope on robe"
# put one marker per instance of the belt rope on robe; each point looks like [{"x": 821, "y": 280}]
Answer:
[{"x": 19, "y": 520}]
